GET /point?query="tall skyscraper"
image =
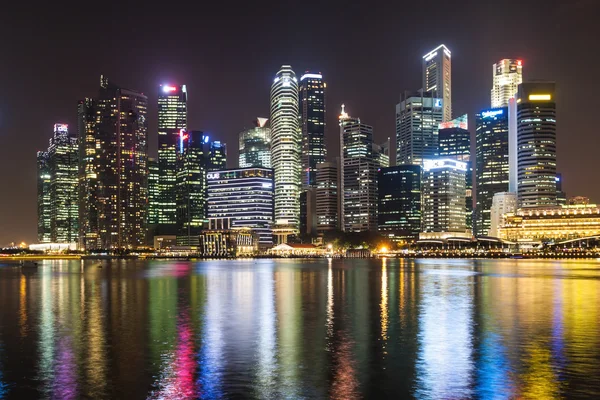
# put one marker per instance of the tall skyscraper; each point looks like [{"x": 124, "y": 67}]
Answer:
[
  {"x": 455, "y": 143},
  {"x": 536, "y": 142},
  {"x": 358, "y": 175},
  {"x": 217, "y": 155},
  {"x": 508, "y": 75},
  {"x": 114, "y": 172},
  {"x": 245, "y": 196},
  {"x": 58, "y": 188},
  {"x": 399, "y": 195},
  {"x": 437, "y": 77},
  {"x": 327, "y": 208},
  {"x": 444, "y": 196},
  {"x": 285, "y": 153},
  {"x": 44, "y": 229},
  {"x": 191, "y": 196},
  {"x": 381, "y": 153},
  {"x": 312, "y": 115},
  {"x": 172, "y": 117},
  {"x": 491, "y": 159},
  {"x": 255, "y": 145},
  {"x": 418, "y": 116}
]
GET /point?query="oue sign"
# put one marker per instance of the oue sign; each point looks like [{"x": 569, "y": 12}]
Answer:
[{"x": 213, "y": 175}]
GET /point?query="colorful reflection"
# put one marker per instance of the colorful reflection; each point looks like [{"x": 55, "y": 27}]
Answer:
[{"x": 342, "y": 329}]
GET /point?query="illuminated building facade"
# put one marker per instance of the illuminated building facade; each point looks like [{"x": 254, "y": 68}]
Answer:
[
  {"x": 63, "y": 163},
  {"x": 399, "y": 205},
  {"x": 444, "y": 196},
  {"x": 245, "y": 197},
  {"x": 437, "y": 78},
  {"x": 172, "y": 117},
  {"x": 312, "y": 116},
  {"x": 455, "y": 143},
  {"x": 381, "y": 153},
  {"x": 561, "y": 195},
  {"x": 358, "y": 175},
  {"x": 285, "y": 153},
  {"x": 502, "y": 203},
  {"x": 508, "y": 75},
  {"x": 217, "y": 156},
  {"x": 536, "y": 142},
  {"x": 44, "y": 232},
  {"x": 191, "y": 195},
  {"x": 491, "y": 163},
  {"x": 221, "y": 239},
  {"x": 327, "y": 201},
  {"x": 255, "y": 146},
  {"x": 552, "y": 223},
  {"x": 113, "y": 172},
  {"x": 418, "y": 116},
  {"x": 153, "y": 194}
]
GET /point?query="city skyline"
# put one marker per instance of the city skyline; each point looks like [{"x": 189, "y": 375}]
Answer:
[{"x": 372, "y": 100}]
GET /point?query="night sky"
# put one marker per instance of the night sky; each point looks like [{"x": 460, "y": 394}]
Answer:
[{"x": 227, "y": 55}]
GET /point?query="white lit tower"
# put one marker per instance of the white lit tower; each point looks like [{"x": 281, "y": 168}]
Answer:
[
  {"x": 286, "y": 161},
  {"x": 437, "y": 77},
  {"x": 508, "y": 75}
]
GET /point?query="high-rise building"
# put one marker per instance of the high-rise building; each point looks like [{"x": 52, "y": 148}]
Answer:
[
  {"x": 358, "y": 175},
  {"x": 285, "y": 153},
  {"x": 327, "y": 207},
  {"x": 491, "y": 163},
  {"x": 191, "y": 196},
  {"x": 399, "y": 195},
  {"x": 308, "y": 213},
  {"x": 502, "y": 203},
  {"x": 153, "y": 193},
  {"x": 508, "y": 75},
  {"x": 44, "y": 230},
  {"x": 437, "y": 77},
  {"x": 561, "y": 195},
  {"x": 114, "y": 170},
  {"x": 444, "y": 196},
  {"x": 536, "y": 141},
  {"x": 58, "y": 188},
  {"x": 455, "y": 143},
  {"x": 63, "y": 160},
  {"x": 418, "y": 116},
  {"x": 255, "y": 145},
  {"x": 172, "y": 117},
  {"x": 217, "y": 155},
  {"x": 245, "y": 197},
  {"x": 312, "y": 122}
]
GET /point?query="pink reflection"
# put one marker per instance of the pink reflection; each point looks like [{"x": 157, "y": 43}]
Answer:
[
  {"x": 65, "y": 379},
  {"x": 168, "y": 269},
  {"x": 178, "y": 377}
]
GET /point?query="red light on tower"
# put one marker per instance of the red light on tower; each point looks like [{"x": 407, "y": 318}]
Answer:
[
  {"x": 168, "y": 88},
  {"x": 519, "y": 63}
]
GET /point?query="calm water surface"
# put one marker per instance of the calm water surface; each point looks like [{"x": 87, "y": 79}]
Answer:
[{"x": 278, "y": 329}]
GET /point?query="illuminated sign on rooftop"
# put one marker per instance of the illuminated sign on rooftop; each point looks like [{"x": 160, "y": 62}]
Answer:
[
  {"x": 540, "y": 97},
  {"x": 64, "y": 128},
  {"x": 444, "y": 163},
  {"x": 491, "y": 113},
  {"x": 314, "y": 76},
  {"x": 168, "y": 88}
]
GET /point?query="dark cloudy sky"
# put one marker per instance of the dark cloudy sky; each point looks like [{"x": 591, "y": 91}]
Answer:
[{"x": 227, "y": 53}]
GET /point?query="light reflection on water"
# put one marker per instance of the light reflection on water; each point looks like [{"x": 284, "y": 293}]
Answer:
[{"x": 301, "y": 329}]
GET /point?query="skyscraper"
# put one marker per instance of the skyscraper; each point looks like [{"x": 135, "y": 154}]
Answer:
[
  {"x": 437, "y": 77},
  {"x": 327, "y": 209},
  {"x": 491, "y": 159},
  {"x": 399, "y": 205},
  {"x": 58, "y": 188},
  {"x": 255, "y": 145},
  {"x": 444, "y": 196},
  {"x": 44, "y": 230},
  {"x": 312, "y": 115},
  {"x": 536, "y": 142},
  {"x": 358, "y": 175},
  {"x": 114, "y": 172},
  {"x": 455, "y": 143},
  {"x": 381, "y": 153},
  {"x": 508, "y": 75},
  {"x": 245, "y": 196},
  {"x": 153, "y": 193},
  {"x": 172, "y": 117},
  {"x": 418, "y": 116},
  {"x": 217, "y": 155},
  {"x": 191, "y": 196},
  {"x": 285, "y": 153}
]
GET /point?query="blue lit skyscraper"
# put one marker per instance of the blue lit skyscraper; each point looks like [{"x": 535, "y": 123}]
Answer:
[{"x": 312, "y": 115}]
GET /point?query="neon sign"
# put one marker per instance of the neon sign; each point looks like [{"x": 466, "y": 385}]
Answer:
[
  {"x": 168, "y": 88},
  {"x": 491, "y": 113}
]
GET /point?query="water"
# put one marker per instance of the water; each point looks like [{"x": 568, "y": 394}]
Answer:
[{"x": 450, "y": 329}]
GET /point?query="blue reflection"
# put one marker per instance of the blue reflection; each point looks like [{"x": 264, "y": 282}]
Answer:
[
  {"x": 211, "y": 349},
  {"x": 493, "y": 370},
  {"x": 558, "y": 334},
  {"x": 267, "y": 364},
  {"x": 3, "y": 385},
  {"x": 444, "y": 365}
]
